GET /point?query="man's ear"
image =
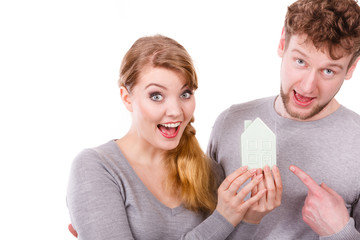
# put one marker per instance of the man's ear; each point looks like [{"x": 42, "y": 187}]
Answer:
[
  {"x": 281, "y": 47},
  {"x": 351, "y": 69},
  {"x": 125, "y": 97}
]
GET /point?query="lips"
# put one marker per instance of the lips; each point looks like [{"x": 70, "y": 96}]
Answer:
[
  {"x": 302, "y": 100},
  {"x": 169, "y": 130}
]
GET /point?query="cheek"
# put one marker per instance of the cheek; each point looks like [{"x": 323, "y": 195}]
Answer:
[
  {"x": 145, "y": 112},
  {"x": 189, "y": 110},
  {"x": 328, "y": 91},
  {"x": 289, "y": 76},
  {"x": 152, "y": 113}
]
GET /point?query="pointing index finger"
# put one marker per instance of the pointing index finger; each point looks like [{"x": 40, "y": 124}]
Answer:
[{"x": 305, "y": 178}]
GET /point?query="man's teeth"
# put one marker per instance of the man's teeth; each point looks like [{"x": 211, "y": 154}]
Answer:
[{"x": 170, "y": 125}]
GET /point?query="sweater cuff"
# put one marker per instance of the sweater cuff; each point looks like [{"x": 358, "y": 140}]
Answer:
[
  {"x": 349, "y": 232},
  {"x": 244, "y": 231},
  {"x": 216, "y": 227}
]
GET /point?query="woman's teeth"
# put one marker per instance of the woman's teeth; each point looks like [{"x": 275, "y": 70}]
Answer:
[
  {"x": 169, "y": 130},
  {"x": 170, "y": 125}
]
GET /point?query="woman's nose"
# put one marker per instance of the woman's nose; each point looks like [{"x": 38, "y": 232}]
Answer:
[{"x": 173, "y": 108}]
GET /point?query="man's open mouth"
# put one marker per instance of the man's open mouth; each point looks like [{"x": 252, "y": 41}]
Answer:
[{"x": 302, "y": 100}]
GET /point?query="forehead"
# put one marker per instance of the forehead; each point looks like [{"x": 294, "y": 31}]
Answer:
[
  {"x": 160, "y": 75},
  {"x": 300, "y": 44}
]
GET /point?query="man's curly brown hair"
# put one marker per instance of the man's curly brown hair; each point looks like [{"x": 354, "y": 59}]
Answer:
[{"x": 332, "y": 26}]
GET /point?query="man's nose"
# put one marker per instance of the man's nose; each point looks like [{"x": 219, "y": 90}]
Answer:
[{"x": 308, "y": 83}]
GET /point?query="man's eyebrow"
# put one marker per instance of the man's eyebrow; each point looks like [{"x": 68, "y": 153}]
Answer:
[
  {"x": 328, "y": 65},
  {"x": 336, "y": 65},
  {"x": 300, "y": 52}
]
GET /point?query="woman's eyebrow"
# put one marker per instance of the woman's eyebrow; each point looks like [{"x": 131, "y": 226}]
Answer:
[{"x": 155, "y": 84}]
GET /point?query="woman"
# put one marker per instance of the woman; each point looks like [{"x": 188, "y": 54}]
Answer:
[{"x": 155, "y": 182}]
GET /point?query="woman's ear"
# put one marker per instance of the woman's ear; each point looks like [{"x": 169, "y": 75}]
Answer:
[
  {"x": 281, "y": 47},
  {"x": 351, "y": 69},
  {"x": 125, "y": 97}
]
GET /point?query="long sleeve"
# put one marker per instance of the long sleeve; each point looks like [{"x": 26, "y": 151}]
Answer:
[
  {"x": 349, "y": 232},
  {"x": 215, "y": 137},
  {"x": 327, "y": 149},
  {"x": 214, "y": 227},
  {"x": 107, "y": 201},
  {"x": 352, "y": 230},
  {"x": 96, "y": 206}
]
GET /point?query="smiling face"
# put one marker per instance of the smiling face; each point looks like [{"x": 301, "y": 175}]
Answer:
[
  {"x": 310, "y": 79},
  {"x": 162, "y": 105}
]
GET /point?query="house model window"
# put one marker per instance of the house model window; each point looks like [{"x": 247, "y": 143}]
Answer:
[{"x": 258, "y": 145}]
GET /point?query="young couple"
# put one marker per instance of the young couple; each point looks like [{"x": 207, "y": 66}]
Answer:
[{"x": 156, "y": 183}]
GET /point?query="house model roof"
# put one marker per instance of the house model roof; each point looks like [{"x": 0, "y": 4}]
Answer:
[{"x": 258, "y": 145}]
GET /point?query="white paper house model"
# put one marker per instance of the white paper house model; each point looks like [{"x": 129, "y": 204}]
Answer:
[{"x": 258, "y": 145}]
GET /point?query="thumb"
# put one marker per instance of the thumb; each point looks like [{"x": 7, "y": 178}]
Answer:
[{"x": 328, "y": 189}]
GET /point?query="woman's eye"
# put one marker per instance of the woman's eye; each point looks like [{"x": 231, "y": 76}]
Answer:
[
  {"x": 156, "y": 97},
  {"x": 300, "y": 62},
  {"x": 186, "y": 94}
]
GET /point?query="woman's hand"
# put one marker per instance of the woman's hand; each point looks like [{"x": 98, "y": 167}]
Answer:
[
  {"x": 231, "y": 204},
  {"x": 272, "y": 198}
]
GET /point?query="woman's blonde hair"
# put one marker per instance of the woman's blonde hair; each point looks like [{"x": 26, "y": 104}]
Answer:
[{"x": 190, "y": 173}]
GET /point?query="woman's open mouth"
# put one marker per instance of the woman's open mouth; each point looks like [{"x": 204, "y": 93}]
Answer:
[{"x": 169, "y": 130}]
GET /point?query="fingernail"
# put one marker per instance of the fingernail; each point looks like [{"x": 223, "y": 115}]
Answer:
[
  {"x": 267, "y": 169},
  {"x": 252, "y": 171},
  {"x": 292, "y": 168},
  {"x": 275, "y": 168},
  {"x": 243, "y": 168},
  {"x": 262, "y": 191}
]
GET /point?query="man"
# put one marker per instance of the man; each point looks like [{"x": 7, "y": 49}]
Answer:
[{"x": 318, "y": 139}]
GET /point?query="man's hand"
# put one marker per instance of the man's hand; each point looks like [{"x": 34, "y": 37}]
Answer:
[
  {"x": 324, "y": 210},
  {"x": 272, "y": 198}
]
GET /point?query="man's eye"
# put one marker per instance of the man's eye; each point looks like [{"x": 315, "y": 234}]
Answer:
[
  {"x": 300, "y": 62},
  {"x": 328, "y": 72}
]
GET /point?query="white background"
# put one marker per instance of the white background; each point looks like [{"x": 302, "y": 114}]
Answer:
[{"x": 59, "y": 64}]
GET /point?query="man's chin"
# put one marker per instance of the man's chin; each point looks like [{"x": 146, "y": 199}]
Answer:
[
  {"x": 299, "y": 114},
  {"x": 303, "y": 114}
]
